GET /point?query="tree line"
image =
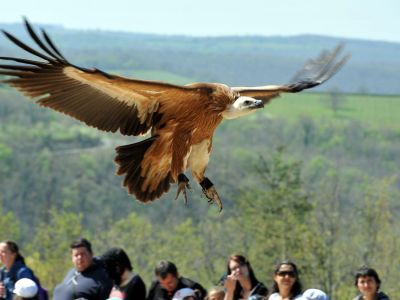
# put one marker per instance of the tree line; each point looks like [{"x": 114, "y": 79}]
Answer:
[
  {"x": 247, "y": 60},
  {"x": 322, "y": 192}
]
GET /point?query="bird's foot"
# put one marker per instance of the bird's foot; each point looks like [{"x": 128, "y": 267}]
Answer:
[
  {"x": 211, "y": 193},
  {"x": 183, "y": 186}
]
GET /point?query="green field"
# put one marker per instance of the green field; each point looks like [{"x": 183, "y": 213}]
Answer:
[
  {"x": 374, "y": 110},
  {"x": 377, "y": 111}
]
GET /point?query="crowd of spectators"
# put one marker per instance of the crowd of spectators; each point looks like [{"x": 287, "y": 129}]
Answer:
[{"x": 111, "y": 277}]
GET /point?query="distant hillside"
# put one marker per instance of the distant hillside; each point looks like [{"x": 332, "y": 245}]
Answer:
[{"x": 248, "y": 60}]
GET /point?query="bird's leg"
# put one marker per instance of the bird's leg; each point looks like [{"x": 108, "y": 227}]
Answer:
[
  {"x": 183, "y": 184},
  {"x": 211, "y": 193}
]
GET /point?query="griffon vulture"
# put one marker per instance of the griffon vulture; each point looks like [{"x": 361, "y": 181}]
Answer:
[{"x": 181, "y": 119}]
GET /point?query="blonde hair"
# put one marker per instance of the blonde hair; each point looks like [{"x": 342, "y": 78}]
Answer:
[{"x": 217, "y": 290}]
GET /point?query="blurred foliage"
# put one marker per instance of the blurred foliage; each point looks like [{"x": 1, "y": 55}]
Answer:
[{"x": 322, "y": 191}]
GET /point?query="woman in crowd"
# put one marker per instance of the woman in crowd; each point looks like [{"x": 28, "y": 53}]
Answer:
[
  {"x": 127, "y": 284},
  {"x": 368, "y": 283},
  {"x": 240, "y": 282},
  {"x": 287, "y": 285},
  {"x": 14, "y": 268}
]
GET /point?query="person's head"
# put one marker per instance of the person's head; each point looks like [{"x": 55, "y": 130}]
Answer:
[
  {"x": 241, "y": 268},
  {"x": 82, "y": 255},
  {"x": 9, "y": 253},
  {"x": 25, "y": 289},
  {"x": 286, "y": 277},
  {"x": 184, "y": 294},
  {"x": 167, "y": 275},
  {"x": 116, "y": 262},
  {"x": 216, "y": 293},
  {"x": 367, "y": 281},
  {"x": 314, "y": 294}
]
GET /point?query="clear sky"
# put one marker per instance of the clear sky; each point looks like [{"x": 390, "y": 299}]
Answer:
[{"x": 365, "y": 19}]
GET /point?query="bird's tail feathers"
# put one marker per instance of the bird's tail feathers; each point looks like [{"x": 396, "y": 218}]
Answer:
[{"x": 129, "y": 158}]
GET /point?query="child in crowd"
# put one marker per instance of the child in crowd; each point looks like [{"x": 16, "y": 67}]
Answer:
[
  {"x": 26, "y": 289},
  {"x": 184, "y": 294}
]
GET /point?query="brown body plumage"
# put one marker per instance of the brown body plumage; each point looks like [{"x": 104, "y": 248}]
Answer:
[{"x": 181, "y": 119}]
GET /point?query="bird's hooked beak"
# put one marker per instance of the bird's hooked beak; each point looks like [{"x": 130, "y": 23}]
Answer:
[{"x": 257, "y": 104}]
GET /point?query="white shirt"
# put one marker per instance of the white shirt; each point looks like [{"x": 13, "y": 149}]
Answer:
[{"x": 276, "y": 296}]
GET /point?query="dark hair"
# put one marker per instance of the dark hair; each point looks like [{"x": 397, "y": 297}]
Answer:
[
  {"x": 82, "y": 243},
  {"x": 366, "y": 271},
  {"x": 296, "y": 288},
  {"x": 116, "y": 261},
  {"x": 241, "y": 260},
  {"x": 13, "y": 247},
  {"x": 16, "y": 297},
  {"x": 164, "y": 267}
]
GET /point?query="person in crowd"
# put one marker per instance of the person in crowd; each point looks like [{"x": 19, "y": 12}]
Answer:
[
  {"x": 184, "y": 294},
  {"x": 13, "y": 269},
  {"x": 127, "y": 285},
  {"x": 314, "y": 294},
  {"x": 241, "y": 282},
  {"x": 168, "y": 281},
  {"x": 368, "y": 283},
  {"x": 26, "y": 289},
  {"x": 88, "y": 279},
  {"x": 287, "y": 285},
  {"x": 216, "y": 293}
]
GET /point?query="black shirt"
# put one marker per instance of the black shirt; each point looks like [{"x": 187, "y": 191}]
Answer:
[
  {"x": 91, "y": 284},
  {"x": 158, "y": 293},
  {"x": 134, "y": 290}
]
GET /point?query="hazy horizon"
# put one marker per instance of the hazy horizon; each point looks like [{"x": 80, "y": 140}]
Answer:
[{"x": 367, "y": 20}]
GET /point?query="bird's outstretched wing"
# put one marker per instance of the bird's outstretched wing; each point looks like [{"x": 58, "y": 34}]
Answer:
[
  {"x": 101, "y": 100},
  {"x": 314, "y": 72}
]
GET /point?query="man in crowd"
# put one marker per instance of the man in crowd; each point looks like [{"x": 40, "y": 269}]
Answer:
[
  {"x": 168, "y": 282},
  {"x": 88, "y": 280}
]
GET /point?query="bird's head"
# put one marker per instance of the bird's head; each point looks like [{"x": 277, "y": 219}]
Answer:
[{"x": 242, "y": 106}]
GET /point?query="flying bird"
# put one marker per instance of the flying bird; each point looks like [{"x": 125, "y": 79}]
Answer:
[{"x": 181, "y": 119}]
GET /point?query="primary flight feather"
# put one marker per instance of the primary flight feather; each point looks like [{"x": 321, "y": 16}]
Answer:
[{"x": 181, "y": 119}]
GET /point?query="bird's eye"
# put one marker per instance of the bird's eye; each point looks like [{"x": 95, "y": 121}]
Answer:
[{"x": 247, "y": 102}]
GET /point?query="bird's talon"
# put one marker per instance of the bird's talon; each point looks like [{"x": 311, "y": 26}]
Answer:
[
  {"x": 213, "y": 197},
  {"x": 183, "y": 187}
]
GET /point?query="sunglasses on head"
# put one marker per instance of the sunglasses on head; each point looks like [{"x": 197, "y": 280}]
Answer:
[{"x": 288, "y": 273}]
